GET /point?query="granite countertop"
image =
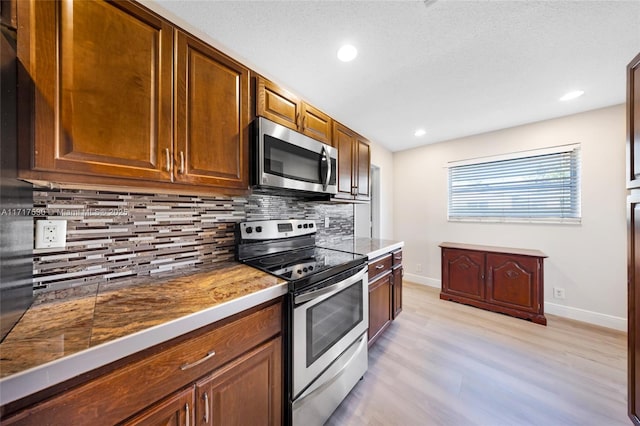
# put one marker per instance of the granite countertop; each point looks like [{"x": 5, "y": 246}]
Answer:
[
  {"x": 370, "y": 247},
  {"x": 59, "y": 339}
]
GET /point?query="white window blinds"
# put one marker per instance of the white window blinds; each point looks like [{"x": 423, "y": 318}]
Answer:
[{"x": 537, "y": 186}]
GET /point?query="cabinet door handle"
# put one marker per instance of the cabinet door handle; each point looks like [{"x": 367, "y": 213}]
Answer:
[
  {"x": 298, "y": 120},
  {"x": 209, "y": 355},
  {"x": 206, "y": 407},
  {"x": 186, "y": 409},
  {"x": 181, "y": 162},
  {"x": 167, "y": 159},
  {"x": 304, "y": 120},
  {"x": 379, "y": 266}
]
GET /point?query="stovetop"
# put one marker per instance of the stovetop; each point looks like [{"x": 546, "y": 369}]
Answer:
[
  {"x": 307, "y": 266},
  {"x": 292, "y": 258}
]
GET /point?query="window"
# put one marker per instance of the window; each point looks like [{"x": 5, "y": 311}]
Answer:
[{"x": 536, "y": 186}]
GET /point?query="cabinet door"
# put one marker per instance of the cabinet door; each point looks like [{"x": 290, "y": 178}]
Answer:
[
  {"x": 176, "y": 410},
  {"x": 315, "y": 124},
  {"x": 247, "y": 391},
  {"x": 512, "y": 281},
  {"x": 633, "y": 123},
  {"x": 102, "y": 82},
  {"x": 363, "y": 159},
  {"x": 380, "y": 308},
  {"x": 398, "y": 273},
  {"x": 633, "y": 304},
  {"x": 277, "y": 104},
  {"x": 463, "y": 273},
  {"x": 212, "y": 117},
  {"x": 343, "y": 139}
]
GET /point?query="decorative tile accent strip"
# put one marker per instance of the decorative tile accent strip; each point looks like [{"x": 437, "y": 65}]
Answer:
[{"x": 120, "y": 236}]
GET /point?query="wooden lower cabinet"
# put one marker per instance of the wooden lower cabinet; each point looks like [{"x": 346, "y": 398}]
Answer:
[
  {"x": 510, "y": 281},
  {"x": 385, "y": 292},
  {"x": 397, "y": 291},
  {"x": 175, "y": 410},
  {"x": 246, "y": 392},
  {"x": 380, "y": 310},
  {"x": 237, "y": 357}
]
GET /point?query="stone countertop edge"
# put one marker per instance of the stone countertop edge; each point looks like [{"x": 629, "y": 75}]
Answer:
[
  {"x": 38, "y": 378},
  {"x": 390, "y": 246}
]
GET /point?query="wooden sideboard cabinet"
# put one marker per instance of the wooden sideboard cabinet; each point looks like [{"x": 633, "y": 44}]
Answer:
[{"x": 498, "y": 279}]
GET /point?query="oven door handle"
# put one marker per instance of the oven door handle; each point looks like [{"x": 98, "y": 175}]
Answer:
[{"x": 305, "y": 297}]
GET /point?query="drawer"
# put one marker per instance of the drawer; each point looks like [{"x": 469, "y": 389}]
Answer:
[
  {"x": 123, "y": 392},
  {"x": 397, "y": 258},
  {"x": 379, "y": 266}
]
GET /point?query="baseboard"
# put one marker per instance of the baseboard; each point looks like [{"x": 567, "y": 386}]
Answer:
[
  {"x": 419, "y": 279},
  {"x": 595, "y": 318}
]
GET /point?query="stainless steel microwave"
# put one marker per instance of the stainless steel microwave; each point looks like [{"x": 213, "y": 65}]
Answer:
[{"x": 289, "y": 160}]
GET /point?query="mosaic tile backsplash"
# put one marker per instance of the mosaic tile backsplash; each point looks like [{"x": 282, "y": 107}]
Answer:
[{"x": 119, "y": 236}]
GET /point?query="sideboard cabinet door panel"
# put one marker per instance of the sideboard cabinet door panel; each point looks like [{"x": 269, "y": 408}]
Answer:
[
  {"x": 463, "y": 273},
  {"x": 511, "y": 281}
]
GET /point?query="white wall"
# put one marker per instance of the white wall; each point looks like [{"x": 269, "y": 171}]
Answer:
[
  {"x": 384, "y": 159},
  {"x": 588, "y": 260}
]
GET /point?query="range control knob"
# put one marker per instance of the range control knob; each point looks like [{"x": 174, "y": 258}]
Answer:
[
  {"x": 299, "y": 226},
  {"x": 299, "y": 271},
  {"x": 305, "y": 226},
  {"x": 258, "y": 228},
  {"x": 249, "y": 229},
  {"x": 311, "y": 225}
]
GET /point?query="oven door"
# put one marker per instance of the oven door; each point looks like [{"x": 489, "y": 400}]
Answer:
[
  {"x": 290, "y": 160},
  {"x": 326, "y": 322}
]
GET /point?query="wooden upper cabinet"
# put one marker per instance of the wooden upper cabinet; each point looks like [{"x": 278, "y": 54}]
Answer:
[
  {"x": 363, "y": 169},
  {"x": 633, "y": 126},
  {"x": 102, "y": 74},
  {"x": 315, "y": 124},
  {"x": 212, "y": 116},
  {"x": 277, "y": 104},
  {"x": 343, "y": 140},
  {"x": 354, "y": 163},
  {"x": 285, "y": 108}
]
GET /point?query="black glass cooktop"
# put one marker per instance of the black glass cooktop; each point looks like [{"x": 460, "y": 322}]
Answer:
[{"x": 307, "y": 266}]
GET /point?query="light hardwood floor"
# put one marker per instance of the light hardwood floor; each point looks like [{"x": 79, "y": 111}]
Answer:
[{"x": 443, "y": 363}]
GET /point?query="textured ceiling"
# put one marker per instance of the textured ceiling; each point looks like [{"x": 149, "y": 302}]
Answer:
[{"x": 454, "y": 68}]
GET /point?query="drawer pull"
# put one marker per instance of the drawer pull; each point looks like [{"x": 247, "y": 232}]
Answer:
[
  {"x": 211, "y": 354},
  {"x": 379, "y": 266},
  {"x": 206, "y": 407},
  {"x": 397, "y": 257},
  {"x": 181, "y": 162}
]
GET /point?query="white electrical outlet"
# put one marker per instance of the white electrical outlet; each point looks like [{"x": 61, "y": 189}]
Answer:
[
  {"x": 51, "y": 234},
  {"x": 558, "y": 293},
  {"x": 326, "y": 221},
  {"x": 419, "y": 267}
]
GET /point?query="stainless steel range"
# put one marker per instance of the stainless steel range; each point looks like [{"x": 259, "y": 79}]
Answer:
[{"x": 328, "y": 313}]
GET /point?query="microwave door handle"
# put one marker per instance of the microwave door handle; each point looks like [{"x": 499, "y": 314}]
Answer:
[{"x": 325, "y": 168}]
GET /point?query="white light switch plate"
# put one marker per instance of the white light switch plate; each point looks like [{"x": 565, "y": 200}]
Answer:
[{"x": 51, "y": 234}]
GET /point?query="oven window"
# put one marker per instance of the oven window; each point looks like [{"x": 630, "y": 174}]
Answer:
[
  {"x": 292, "y": 162},
  {"x": 332, "y": 319}
]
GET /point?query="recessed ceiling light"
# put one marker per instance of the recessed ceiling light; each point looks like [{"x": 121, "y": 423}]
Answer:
[
  {"x": 347, "y": 53},
  {"x": 572, "y": 95},
  {"x": 420, "y": 132}
]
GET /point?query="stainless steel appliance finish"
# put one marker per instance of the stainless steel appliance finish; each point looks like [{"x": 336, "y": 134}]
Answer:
[
  {"x": 289, "y": 160},
  {"x": 328, "y": 313},
  {"x": 16, "y": 199}
]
